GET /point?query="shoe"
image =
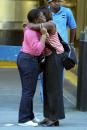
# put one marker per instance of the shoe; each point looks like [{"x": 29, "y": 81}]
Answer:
[
  {"x": 36, "y": 120},
  {"x": 44, "y": 121},
  {"x": 56, "y": 123},
  {"x": 28, "y": 123},
  {"x": 51, "y": 123}
]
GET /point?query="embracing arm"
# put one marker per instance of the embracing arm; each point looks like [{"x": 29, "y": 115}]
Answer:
[{"x": 50, "y": 26}]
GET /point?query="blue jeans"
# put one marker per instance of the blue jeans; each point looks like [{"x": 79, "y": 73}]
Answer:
[{"x": 28, "y": 69}]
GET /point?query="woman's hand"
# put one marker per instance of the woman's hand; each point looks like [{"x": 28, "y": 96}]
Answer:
[
  {"x": 44, "y": 35},
  {"x": 43, "y": 31}
]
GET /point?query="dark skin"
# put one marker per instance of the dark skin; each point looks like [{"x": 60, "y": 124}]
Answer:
[
  {"x": 49, "y": 25},
  {"x": 55, "y": 6},
  {"x": 72, "y": 35}
]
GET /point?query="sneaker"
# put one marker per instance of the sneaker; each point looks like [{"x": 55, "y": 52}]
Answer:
[
  {"x": 36, "y": 120},
  {"x": 28, "y": 123}
]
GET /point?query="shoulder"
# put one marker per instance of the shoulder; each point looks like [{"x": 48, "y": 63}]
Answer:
[
  {"x": 51, "y": 22},
  {"x": 28, "y": 31},
  {"x": 52, "y": 29},
  {"x": 66, "y": 10}
]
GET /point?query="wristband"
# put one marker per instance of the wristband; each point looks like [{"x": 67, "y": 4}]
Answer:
[{"x": 41, "y": 25}]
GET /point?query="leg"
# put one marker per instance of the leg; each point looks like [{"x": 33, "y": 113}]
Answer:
[
  {"x": 28, "y": 69},
  {"x": 53, "y": 95}
]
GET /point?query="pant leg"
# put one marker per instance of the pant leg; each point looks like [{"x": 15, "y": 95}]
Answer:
[
  {"x": 28, "y": 69},
  {"x": 53, "y": 90}
]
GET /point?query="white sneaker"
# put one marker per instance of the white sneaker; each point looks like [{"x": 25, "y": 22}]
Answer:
[
  {"x": 36, "y": 120},
  {"x": 28, "y": 123}
]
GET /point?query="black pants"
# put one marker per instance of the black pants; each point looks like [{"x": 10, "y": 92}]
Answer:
[
  {"x": 53, "y": 87},
  {"x": 28, "y": 69}
]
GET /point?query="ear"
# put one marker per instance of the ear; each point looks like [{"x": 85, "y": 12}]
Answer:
[{"x": 35, "y": 20}]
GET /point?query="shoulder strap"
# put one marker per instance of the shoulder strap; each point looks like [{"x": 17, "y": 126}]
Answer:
[
  {"x": 65, "y": 45},
  {"x": 60, "y": 38}
]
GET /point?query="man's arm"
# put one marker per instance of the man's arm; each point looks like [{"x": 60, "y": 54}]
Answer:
[{"x": 72, "y": 35}]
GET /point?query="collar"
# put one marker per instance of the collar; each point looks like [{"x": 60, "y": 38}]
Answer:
[{"x": 61, "y": 9}]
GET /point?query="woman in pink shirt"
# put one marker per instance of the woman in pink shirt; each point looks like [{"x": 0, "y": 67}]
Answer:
[{"x": 27, "y": 62}]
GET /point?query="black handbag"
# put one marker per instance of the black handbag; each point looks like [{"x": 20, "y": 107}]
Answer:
[{"x": 69, "y": 58}]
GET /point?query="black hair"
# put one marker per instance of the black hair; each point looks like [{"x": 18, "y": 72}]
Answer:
[
  {"x": 33, "y": 14},
  {"x": 46, "y": 11},
  {"x": 53, "y": 0}
]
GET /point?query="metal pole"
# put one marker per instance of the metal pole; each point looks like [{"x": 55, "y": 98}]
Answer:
[{"x": 82, "y": 73}]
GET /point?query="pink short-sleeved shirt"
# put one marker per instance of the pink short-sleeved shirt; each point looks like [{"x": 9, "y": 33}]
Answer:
[{"x": 31, "y": 42}]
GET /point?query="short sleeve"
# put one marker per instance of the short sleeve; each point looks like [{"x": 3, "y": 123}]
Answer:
[{"x": 70, "y": 19}]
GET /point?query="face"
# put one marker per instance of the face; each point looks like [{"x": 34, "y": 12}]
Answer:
[
  {"x": 55, "y": 4},
  {"x": 41, "y": 18}
]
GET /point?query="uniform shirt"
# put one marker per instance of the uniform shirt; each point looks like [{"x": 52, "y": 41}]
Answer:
[
  {"x": 31, "y": 43},
  {"x": 54, "y": 41},
  {"x": 63, "y": 19}
]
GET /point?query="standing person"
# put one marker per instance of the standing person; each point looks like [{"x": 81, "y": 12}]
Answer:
[
  {"x": 63, "y": 18},
  {"x": 27, "y": 62},
  {"x": 53, "y": 105},
  {"x": 52, "y": 76}
]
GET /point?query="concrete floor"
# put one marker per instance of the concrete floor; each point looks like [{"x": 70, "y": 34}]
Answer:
[{"x": 10, "y": 92}]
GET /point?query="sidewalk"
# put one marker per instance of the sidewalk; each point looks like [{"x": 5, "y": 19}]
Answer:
[
  {"x": 74, "y": 120},
  {"x": 10, "y": 91}
]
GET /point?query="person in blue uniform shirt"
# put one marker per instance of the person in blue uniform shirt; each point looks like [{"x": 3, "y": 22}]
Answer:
[{"x": 64, "y": 19}]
